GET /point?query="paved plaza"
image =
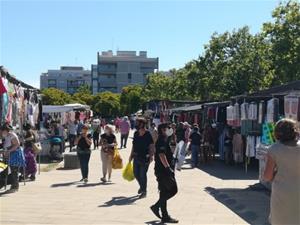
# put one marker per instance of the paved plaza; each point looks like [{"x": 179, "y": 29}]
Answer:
[{"x": 213, "y": 194}]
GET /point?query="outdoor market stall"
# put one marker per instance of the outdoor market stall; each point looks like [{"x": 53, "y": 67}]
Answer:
[
  {"x": 62, "y": 115},
  {"x": 255, "y": 116},
  {"x": 20, "y": 105},
  {"x": 249, "y": 118}
]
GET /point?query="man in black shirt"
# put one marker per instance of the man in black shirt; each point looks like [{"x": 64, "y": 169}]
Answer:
[
  {"x": 164, "y": 172},
  {"x": 142, "y": 154}
]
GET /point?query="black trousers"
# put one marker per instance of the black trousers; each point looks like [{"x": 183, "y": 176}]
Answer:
[
  {"x": 14, "y": 177},
  {"x": 167, "y": 189},
  {"x": 84, "y": 159},
  {"x": 124, "y": 138},
  {"x": 96, "y": 136}
]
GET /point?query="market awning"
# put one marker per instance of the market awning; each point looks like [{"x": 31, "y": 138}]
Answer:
[
  {"x": 64, "y": 108},
  {"x": 279, "y": 90}
]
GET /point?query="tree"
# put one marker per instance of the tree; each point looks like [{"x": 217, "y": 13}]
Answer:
[
  {"x": 232, "y": 64},
  {"x": 131, "y": 99},
  {"x": 284, "y": 37},
  {"x": 53, "y": 96},
  {"x": 107, "y": 104},
  {"x": 157, "y": 86},
  {"x": 83, "y": 95}
]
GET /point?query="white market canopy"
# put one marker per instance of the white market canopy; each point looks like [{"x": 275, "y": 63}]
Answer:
[{"x": 64, "y": 108}]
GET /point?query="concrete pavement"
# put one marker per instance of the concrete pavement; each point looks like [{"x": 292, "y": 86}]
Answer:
[{"x": 212, "y": 194}]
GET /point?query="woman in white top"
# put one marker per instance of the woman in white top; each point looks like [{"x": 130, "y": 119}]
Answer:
[
  {"x": 14, "y": 153},
  {"x": 283, "y": 169}
]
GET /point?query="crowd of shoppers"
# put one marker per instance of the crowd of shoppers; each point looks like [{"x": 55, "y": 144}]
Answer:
[{"x": 159, "y": 144}]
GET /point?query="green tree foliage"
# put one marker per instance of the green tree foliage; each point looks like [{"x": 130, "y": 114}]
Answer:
[
  {"x": 83, "y": 95},
  {"x": 238, "y": 62},
  {"x": 53, "y": 96},
  {"x": 131, "y": 99},
  {"x": 284, "y": 37},
  {"x": 233, "y": 63},
  {"x": 107, "y": 104},
  {"x": 157, "y": 86}
]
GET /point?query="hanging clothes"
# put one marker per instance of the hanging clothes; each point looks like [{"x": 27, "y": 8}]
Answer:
[
  {"x": 229, "y": 114},
  {"x": 292, "y": 107},
  {"x": 236, "y": 115},
  {"x": 237, "y": 148},
  {"x": 250, "y": 146},
  {"x": 244, "y": 111},
  {"x": 273, "y": 110},
  {"x": 252, "y": 111},
  {"x": 2, "y": 87},
  {"x": 261, "y": 111}
]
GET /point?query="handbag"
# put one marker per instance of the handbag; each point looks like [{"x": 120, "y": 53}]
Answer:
[
  {"x": 117, "y": 162},
  {"x": 37, "y": 147}
]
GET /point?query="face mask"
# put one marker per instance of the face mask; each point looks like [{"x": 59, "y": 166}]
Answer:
[{"x": 169, "y": 132}]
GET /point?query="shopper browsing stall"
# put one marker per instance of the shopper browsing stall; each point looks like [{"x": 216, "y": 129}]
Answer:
[
  {"x": 14, "y": 153},
  {"x": 30, "y": 156},
  {"x": 283, "y": 169}
]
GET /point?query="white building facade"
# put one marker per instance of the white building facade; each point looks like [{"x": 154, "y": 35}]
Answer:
[
  {"x": 67, "y": 78},
  {"x": 113, "y": 72}
]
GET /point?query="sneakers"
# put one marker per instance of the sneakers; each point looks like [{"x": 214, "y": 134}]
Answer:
[
  {"x": 85, "y": 180},
  {"x": 143, "y": 195},
  {"x": 140, "y": 191},
  {"x": 32, "y": 177},
  {"x": 169, "y": 220},
  {"x": 155, "y": 211},
  {"x": 103, "y": 179}
]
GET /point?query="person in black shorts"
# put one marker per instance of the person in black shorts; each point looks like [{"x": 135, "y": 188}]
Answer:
[{"x": 164, "y": 172}]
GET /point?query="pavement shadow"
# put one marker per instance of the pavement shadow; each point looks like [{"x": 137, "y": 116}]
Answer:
[
  {"x": 219, "y": 169},
  {"x": 94, "y": 184},
  {"x": 5, "y": 192},
  {"x": 62, "y": 168},
  {"x": 251, "y": 204},
  {"x": 154, "y": 222},
  {"x": 120, "y": 200},
  {"x": 64, "y": 184}
]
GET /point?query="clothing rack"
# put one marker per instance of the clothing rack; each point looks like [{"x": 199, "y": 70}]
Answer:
[{"x": 15, "y": 81}]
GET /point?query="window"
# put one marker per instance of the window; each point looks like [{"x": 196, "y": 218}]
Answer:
[
  {"x": 129, "y": 77},
  {"x": 75, "y": 83},
  {"x": 52, "y": 83}
]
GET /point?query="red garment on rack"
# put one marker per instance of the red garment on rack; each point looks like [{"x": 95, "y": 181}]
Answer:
[{"x": 2, "y": 87}]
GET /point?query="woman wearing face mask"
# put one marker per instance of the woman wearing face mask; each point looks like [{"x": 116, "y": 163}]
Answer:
[
  {"x": 14, "y": 153},
  {"x": 108, "y": 142},
  {"x": 84, "y": 142},
  {"x": 164, "y": 172}
]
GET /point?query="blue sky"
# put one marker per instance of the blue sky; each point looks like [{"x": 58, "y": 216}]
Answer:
[{"x": 41, "y": 35}]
